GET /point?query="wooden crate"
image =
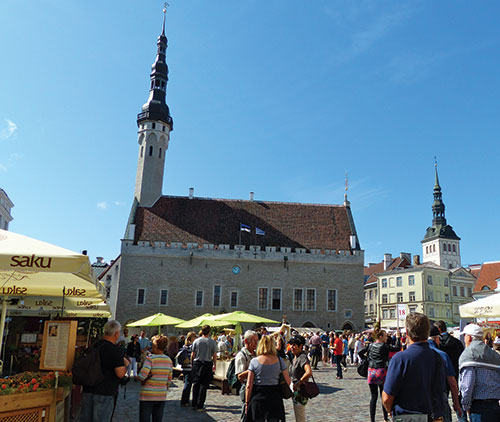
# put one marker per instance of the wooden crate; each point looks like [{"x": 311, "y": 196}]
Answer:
[{"x": 39, "y": 406}]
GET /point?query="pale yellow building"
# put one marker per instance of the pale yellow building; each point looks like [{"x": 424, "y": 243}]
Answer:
[{"x": 424, "y": 288}]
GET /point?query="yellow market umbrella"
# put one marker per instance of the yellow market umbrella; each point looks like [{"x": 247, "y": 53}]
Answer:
[
  {"x": 205, "y": 319},
  {"x": 156, "y": 320},
  {"x": 241, "y": 316},
  {"x": 68, "y": 307},
  {"x": 30, "y": 267}
]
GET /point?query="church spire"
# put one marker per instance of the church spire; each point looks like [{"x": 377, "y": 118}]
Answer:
[
  {"x": 156, "y": 107},
  {"x": 438, "y": 205}
]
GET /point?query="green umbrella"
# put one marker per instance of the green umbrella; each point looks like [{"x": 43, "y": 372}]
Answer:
[
  {"x": 156, "y": 320},
  {"x": 205, "y": 319},
  {"x": 241, "y": 316}
]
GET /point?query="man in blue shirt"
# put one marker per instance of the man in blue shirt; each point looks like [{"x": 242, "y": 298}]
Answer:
[
  {"x": 325, "y": 342},
  {"x": 451, "y": 381},
  {"x": 415, "y": 377}
]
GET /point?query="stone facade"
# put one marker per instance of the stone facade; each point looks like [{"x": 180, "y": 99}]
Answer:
[
  {"x": 5, "y": 210},
  {"x": 184, "y": 271}
]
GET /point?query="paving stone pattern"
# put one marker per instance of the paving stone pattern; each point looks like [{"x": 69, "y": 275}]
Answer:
[{"x": 339, "y": 400}]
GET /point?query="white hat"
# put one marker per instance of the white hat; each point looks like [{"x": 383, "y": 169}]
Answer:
[{"x": 472, "y": 330}]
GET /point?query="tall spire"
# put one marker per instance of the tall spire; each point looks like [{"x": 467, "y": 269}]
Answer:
[
  {"x": 438, "y": 205},
  {"x": 156, "y": 107}
]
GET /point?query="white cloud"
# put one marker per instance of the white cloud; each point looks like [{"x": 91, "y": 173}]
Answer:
[
  {"x": 118, "y": 203},
  {"x": 102, "y": 205},
  {"x": 9, "y": 131}
]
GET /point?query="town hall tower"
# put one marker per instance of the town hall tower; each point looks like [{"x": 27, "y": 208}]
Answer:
[{"x": 154, "y": 126}]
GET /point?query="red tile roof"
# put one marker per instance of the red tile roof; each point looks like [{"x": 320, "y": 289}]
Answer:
[
  {"x": 217, "y": 221},
  {"x": 379, "y": 268},
  {"x": 490, "y": 272}
]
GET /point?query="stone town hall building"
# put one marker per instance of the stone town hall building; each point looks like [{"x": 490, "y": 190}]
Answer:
[{"x": 185, "y": 256}]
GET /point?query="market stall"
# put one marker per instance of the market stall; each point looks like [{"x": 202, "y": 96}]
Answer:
[{"x": 32, "y": 271}]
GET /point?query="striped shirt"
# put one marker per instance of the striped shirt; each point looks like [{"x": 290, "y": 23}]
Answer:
[
  {"x": 160, "y": 368},
  {"x": 478, "y": 383}
]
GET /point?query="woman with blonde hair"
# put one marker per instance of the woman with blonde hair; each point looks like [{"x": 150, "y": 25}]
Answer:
[
  {"x": 262, "y": 394},
  {"x": 155, "y": 377},
  {"x": 184, "y": 359}
]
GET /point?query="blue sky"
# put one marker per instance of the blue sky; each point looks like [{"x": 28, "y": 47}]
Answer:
[{"x": 280, "y": 98}]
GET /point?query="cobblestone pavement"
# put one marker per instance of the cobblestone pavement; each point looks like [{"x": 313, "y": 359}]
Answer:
[{"x": 339, "y": 400}]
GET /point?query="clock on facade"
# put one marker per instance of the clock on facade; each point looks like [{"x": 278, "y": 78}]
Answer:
[{"x": 236, "y": 269}]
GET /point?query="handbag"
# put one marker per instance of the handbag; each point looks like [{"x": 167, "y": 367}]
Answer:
[
  {"x": 309, "y": 390},
  {"x": 363, "y": 366},
  {"x": 285, "y": 391}
]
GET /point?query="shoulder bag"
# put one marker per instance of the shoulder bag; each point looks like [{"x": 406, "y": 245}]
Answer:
[
  {"x": 285, "y": 391},
  {"x": 309, "y": 390},
  {"x": 363, "y": 366}
]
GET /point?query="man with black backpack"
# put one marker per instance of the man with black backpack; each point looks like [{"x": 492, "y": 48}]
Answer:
[
  {"x": 98, "y": 398},
  {"x": 242, "y": 361}
]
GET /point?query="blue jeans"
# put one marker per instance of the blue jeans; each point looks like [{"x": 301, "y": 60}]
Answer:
[
  {"x": 338, "y": 361},
  {"x": 96, "y": 408},
  {"x": 485, "y": 411},
  {"x": 148, "y": 409},
  {"x": 186, "y": 391}
]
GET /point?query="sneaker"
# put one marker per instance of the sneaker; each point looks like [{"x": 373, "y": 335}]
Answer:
[{"x": 345, "y": 369}]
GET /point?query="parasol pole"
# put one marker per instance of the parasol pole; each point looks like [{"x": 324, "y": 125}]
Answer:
[
  {"x": 2, "y": 326},
  {"x": 62, "y": 306}
]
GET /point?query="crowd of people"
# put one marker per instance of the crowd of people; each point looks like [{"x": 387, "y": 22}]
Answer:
[{"x": 414, "y": 373}]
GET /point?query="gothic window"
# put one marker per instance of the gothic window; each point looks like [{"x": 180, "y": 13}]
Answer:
[
  {"x": 163, "y": 129},
  {"x": 331, "y": 300},
  {"x": 434, "y": 248},
  {"x": 298, "y": 299},
  {"x": 163, "y": 297},
  {"x": 217, "y": 294},
  {"x": 276, "y": 299},
  {"x": 142, "y": 151},
  {"x": 151, "y": 150},
  {"x": 141, "y": 296},
  {"x": 310, "y": 299},
  {"x": 198, "y": 300},
  {"x": 159, "y": 155},
  {"x": 234, "y": 300},
  {"x": 263, "y": 298}
]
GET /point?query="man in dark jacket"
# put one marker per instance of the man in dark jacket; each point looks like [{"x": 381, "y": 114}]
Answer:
[{"x": 452, "y": 346}]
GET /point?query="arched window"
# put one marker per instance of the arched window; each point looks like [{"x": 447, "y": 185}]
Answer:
[
  {"x": 159, "y": 155},
  {"x": 434, "y": 248},
  {"x": 142, "y": 151},
  {"x": 485, "y": 288},
  {"x": 444, "y": 247},
  {"x": 151, "y": 150},
  {"x": 426, "y": 249},
  {"x": 454, "y": 248}
]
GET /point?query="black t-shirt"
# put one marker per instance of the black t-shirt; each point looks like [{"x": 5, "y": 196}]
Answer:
[{"x": 111, "y": 358}]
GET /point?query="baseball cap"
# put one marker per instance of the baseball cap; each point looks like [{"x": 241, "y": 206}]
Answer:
[
  {"x": 298, "y": 340},
  {"x": 434, "y": 331},
  {"x": 472, "y": 330}
]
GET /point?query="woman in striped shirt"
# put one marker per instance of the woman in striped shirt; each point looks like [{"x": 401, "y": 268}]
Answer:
[{"x": 155, "y": 376}]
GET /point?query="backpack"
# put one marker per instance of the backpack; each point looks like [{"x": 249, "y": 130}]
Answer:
[
  {"x": 232, "y": 379},
  {"x": 87, "y": 370}
]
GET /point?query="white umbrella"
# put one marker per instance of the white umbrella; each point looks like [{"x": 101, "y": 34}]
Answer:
[{"x": 487, "y": 307}]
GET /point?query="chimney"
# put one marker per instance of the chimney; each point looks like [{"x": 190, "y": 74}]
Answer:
[
  {"x": 251, "y": 196},
  {"x": 100, "y": 259},
  {"x": 416, "y": 260},
  {"x": 191, "y": 193},
  {"x": 387, "y": 260},
  {"x": 405, "y": 255}
]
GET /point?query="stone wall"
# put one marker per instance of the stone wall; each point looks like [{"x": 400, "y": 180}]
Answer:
[{"x": 184, "y": 270}]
